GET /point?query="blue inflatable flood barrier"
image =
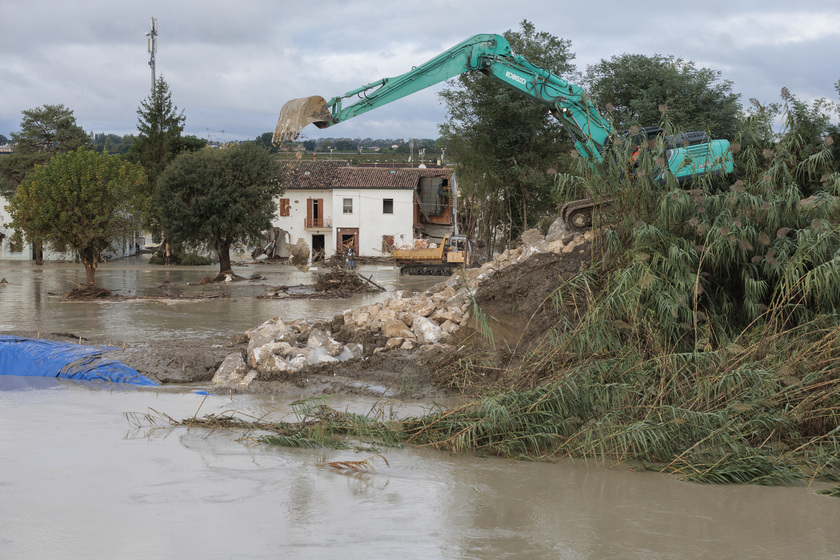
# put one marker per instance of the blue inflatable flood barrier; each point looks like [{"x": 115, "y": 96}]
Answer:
[{"x": 49, "y": 358}]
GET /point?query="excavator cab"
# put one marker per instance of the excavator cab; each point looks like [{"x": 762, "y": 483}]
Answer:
[{"x": 458, "y": 250}]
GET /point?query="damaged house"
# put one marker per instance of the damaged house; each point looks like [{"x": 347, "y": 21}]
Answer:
[{"x": 371, "y": 209}]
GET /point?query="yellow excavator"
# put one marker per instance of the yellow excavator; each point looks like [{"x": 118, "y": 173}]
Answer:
[{"x": 443, "y": 260}]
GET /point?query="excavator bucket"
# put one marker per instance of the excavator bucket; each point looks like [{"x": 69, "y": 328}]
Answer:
[{"x": 299, "y": 113}]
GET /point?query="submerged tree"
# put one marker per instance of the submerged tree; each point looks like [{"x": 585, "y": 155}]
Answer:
[
  {"x": 158, "y": 143},
  {"x": 218, "y": 197},
  {"x": 82, "y": 200}
]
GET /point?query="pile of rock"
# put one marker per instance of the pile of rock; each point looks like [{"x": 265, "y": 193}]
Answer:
[{"x": 405, "y": 321}]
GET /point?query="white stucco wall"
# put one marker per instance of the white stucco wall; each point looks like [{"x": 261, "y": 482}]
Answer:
[
  {"x": 367, "y": 216},
  {"x": 294, "y": 222},
  {"x": 122, "y": 247}
]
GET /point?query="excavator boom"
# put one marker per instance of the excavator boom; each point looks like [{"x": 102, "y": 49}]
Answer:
[
  {"x": 463, "y": 57},
  {"x": 687, "y": 157}
]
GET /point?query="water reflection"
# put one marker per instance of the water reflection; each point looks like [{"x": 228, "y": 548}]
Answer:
[{"x": 31, "y": 300}]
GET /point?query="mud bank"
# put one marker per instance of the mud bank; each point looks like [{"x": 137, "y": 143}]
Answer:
[{"x": 399, "y": 374}]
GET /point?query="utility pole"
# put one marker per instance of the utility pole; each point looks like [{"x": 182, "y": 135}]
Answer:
[{"x": 151, "y": 46}]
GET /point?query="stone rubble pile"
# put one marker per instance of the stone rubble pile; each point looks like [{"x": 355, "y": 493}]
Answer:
[{"x": 406, "y": 320}]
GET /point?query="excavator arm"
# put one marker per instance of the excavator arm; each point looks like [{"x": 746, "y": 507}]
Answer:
[
  {"x": 487, "y": 53},
  {"x": 687, "y": 155},
  {"x": 463, "y": 57}
]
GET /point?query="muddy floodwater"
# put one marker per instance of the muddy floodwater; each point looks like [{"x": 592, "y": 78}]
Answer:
[{"x": 78, "y": 479}]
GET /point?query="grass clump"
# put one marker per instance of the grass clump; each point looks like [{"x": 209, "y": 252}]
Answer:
[{"x": 318, "y": 425}]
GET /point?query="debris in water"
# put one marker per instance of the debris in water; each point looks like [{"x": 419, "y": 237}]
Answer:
[{"x": 357, "y": 466}]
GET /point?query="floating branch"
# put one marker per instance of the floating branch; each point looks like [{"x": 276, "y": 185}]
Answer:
[{"x": 356, "y": 466}]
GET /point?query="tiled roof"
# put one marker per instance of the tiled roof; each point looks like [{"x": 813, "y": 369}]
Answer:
[
  {"x": 310, "y": 174},
  {"x": 336, "y": 175}
]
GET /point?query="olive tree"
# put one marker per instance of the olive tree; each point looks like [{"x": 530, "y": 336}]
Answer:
[
  {"x": 83, "y": 200},
  {"x": 218, "y": 197}
]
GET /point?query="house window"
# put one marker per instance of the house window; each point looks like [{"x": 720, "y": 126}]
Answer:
[
  {"x": 348, "y": 205},
  {"x": 388, "y": 206},
  {"x": 315, "y": 213},
  {"x": 285, "y": 207}
]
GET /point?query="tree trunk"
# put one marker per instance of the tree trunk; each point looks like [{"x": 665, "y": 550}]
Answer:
[
  {"x": 90, "y": 259},
  {"x": 167, "y": 252},
  {"x": 38, "y": 252},
  {"x": 223, "y": 250}
]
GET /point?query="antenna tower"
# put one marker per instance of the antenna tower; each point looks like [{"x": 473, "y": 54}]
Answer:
[{"x": 151, "y": 46}]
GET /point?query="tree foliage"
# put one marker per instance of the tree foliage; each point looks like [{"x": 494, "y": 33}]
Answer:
[
  {"x": 83, "y": 200},
  {"x": 218, "y": 197},
  {"x": 159, "y": 128},
  {"x": 44, "y": 132},
  {"x": 636, "y": 89},
  {"x": 506, "y": 146}
]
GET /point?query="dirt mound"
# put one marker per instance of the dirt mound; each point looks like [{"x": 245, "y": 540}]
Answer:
[{"x": 518, "y": 299}]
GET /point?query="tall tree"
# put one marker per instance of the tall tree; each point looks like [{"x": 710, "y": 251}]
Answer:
[
  {"x": 219, "y": 197},
  {"x": 507, "y": 146},
  {"x": 635, "y": 88},
  {"x": 159, "y": 141},
  {"x": 80, "y": 199},
  {"x": 44, "y": 132},
  {"x": 159, "y": 131}
]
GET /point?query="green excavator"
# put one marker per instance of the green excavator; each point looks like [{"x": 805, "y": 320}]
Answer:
[{"x": 688, "y": 155}]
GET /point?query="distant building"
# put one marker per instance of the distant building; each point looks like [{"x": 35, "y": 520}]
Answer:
[
  {"x": 11, "y": 251},
  {"x": 371, "y": 209}
]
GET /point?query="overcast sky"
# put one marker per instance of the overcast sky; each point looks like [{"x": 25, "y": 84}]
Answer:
[{"x": 231, "y": 65}]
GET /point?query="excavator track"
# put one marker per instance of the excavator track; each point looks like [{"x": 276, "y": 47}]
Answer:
[
  {"x": 416, "y": 269},
  {"x": 577, "y": 214}
]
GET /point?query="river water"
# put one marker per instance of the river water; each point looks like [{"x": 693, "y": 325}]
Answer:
[{"x": 79, "y": 480}]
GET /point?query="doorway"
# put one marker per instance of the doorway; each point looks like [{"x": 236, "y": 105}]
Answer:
[
  {"x": 318, "y": 247},
  {"x": 348, "y": 237}
]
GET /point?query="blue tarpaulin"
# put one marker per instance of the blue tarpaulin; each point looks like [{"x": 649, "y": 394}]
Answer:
[{"x": 49, "y": 358}]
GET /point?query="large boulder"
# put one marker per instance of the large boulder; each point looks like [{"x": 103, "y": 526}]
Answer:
[
  {"x": 232, "y": 370},
  {"x": 320, "y": 339},
  {"x": 396, "y": 329},
  {"x": 426, "y": 330}
]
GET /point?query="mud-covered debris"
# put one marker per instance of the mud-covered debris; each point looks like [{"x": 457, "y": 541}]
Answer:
[
  {"x": 299, "y": 255},
  {"x": 345, "y": 281},
  {"x": 88, "y": 293}
]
